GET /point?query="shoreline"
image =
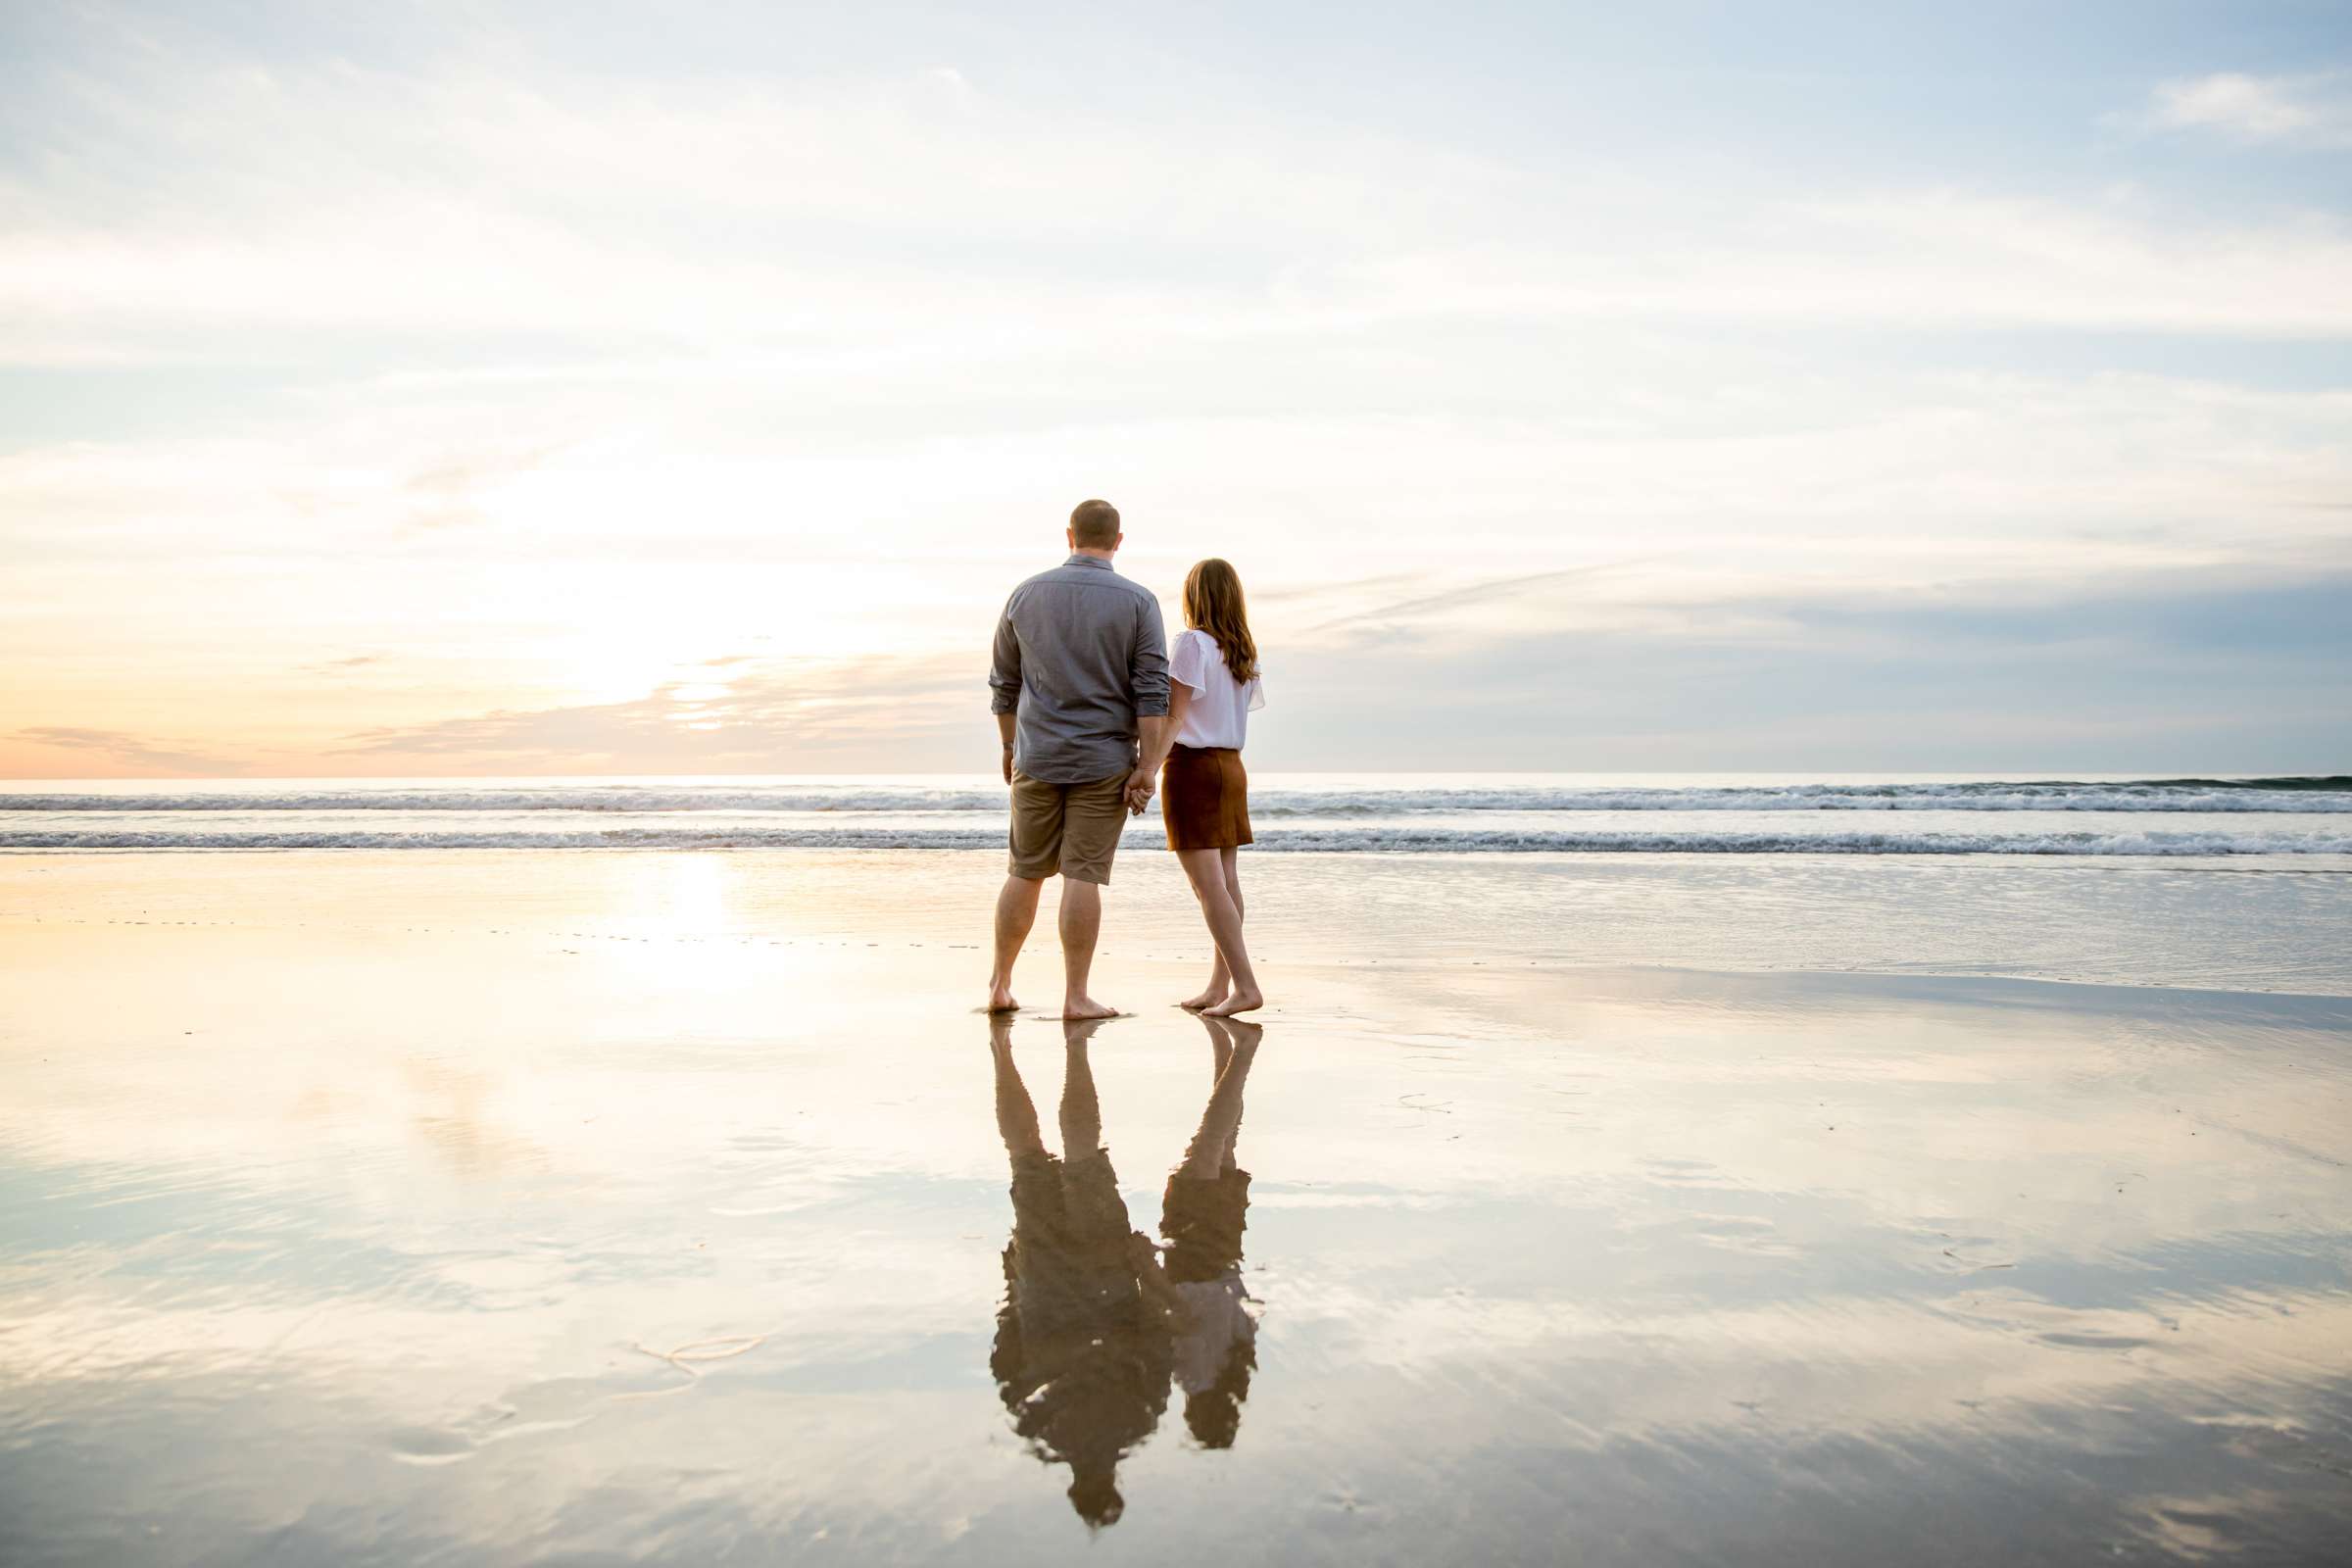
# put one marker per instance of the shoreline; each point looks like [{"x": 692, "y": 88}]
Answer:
[{"x": 2089, "y": 923}]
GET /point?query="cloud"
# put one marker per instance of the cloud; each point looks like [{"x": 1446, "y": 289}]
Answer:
[
  {"x": 2206, "y": 670},
  {"x": 779, "y": 717},
  {"x": 1931, "y": 259},
  {"x": 2297, "y": 111},
  {"x": 1372, "y": 618},
  {"x": 2209, "y": 669},
  {"x": 125, "y": 750},
  {"x": 817, "y": 217},
  {"x": 447, "y": 489}
]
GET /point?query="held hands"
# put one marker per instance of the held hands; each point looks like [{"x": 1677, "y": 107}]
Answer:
[{"x": 1141, "y": 786}]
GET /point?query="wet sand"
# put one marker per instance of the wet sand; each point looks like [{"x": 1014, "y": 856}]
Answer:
[{"x": 531, "y": 1208}]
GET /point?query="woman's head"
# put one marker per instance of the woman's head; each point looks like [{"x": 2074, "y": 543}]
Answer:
[{"x": 1214, "y": 603}]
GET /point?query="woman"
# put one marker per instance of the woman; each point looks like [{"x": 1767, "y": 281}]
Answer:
[{"x": 1213, "y": 687}]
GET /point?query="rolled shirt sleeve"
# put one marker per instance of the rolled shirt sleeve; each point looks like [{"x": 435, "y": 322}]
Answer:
[
  {"x": 1148, "y": 665},
  {"x": 1005, "y": 666},
  {"x": 1188, "y": 660}
]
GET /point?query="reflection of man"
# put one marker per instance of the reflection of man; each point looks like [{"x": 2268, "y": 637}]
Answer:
[
  {"x": 1093, "y": 1327},
  {"x": 1081, "y": 1357},
  {"x": 1202, "y": 1212}
]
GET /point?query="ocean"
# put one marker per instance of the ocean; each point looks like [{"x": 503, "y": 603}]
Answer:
[{"x": 2300, "y": 822}]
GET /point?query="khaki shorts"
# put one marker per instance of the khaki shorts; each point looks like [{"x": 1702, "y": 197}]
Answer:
[{"x": 1070, "y": 828}]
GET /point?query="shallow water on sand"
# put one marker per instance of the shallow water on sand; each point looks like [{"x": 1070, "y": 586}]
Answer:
[{"x": 681, "y": 1208}]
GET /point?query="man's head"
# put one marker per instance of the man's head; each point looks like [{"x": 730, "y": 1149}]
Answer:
[{"x": 1094, "y": 525}]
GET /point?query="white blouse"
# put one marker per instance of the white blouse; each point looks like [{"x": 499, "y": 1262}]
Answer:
[{"x": 1218, "y": 715}]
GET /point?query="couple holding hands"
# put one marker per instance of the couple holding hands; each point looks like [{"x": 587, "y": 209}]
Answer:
[{"x": 1096, "y": 712}]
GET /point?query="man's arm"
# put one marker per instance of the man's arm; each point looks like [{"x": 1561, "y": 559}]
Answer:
[
  {"x": 1157, "y": 736},
  {"x": 1004, "y": 683},
  {"x": 1148, "y": 680}
]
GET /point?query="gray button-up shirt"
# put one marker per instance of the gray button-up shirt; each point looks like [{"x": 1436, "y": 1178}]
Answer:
[{"x": 1079, "y": 655}]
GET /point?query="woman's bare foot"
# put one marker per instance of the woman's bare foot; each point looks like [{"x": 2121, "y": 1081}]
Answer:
[
  {"x": 1077, "y": 1007},
  {"x": 1239, "y": 1001},
  {"x": 1000, "y": 999},
  {"x": 1204, "y": 1001}
]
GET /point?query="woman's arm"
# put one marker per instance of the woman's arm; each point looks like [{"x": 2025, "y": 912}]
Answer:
[{"x": 1180, "y": 697}]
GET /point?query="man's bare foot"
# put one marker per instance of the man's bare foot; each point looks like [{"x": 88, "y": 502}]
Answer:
[
  {"x": 1239, "y": 1001},
  {"x": 1205, "y": 1000},
  {"x": 1078, "y": 1007},
  {"x": 1000, "y": 999}
]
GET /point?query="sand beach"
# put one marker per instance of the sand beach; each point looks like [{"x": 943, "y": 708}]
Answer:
[{"x": 491, "y": 1206}]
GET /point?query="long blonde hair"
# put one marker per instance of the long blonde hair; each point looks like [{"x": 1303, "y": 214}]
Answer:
[{"x": 1214, "y": 603}]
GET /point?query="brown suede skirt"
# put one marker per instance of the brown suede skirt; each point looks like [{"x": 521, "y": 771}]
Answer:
[{"x": 1205, "y": 799}]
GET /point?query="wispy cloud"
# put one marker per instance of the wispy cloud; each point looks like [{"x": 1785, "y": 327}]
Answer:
[
  {"x": 675, "y": 216},
  {"x": 1373, "y": 619},
  {"x": 783, "y": 718},
  {"x": 447, "y": 489},
  {"x": 2313, "y": 110},
  {"x": 133, "y": 751},
  {"x": 2196, "y": 669}
]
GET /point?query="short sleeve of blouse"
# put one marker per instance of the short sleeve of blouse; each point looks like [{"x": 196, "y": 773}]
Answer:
[
  {"x": 1258, "y": 693},
  {"x": 1188, "y": 660}
]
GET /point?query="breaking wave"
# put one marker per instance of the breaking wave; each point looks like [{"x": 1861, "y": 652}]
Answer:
[
  {"x": 1361, "y": 840},
  {"x": 2302, "y": 796}
]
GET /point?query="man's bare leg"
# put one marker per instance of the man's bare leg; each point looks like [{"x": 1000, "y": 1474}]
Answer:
[
  {"x": 1017, "y": 912},
  {"x": 1220, "y": 979},
  {"x": 1206, "y": 871},
  {"x": 1016, "y": 1116},
  {"x": 1081, "y": 1107},
  {"x": 1081, "y": 924}
]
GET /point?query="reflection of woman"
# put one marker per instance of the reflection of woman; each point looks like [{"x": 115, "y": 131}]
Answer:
[
  {"x": 1081, "y": 1357},
  {"x": 1203, "y": 1213}
]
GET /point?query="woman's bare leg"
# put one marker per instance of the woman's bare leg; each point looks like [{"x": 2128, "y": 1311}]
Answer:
[
  {"x": 1219, "y": 987},
  {"x": 1206, "y": 869},
  {"x": 1220, "y": 979},
  {"x": 1211, "y": 1149}
]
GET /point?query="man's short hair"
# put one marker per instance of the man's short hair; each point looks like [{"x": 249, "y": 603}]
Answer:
[{"x": 1096, "y": 523}]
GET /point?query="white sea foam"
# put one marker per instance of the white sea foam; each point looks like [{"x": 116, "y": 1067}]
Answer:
[
  {"x": 1361, "y": 815},
  {"x": 2299, "y": 797},
  {"x": 1341, "y": 841}
]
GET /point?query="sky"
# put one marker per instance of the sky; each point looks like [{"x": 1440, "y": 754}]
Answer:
[{"x": 434, "y": 390}]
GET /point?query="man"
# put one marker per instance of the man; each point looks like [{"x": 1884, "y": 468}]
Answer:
[{"x": 1080, "y": 670}]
